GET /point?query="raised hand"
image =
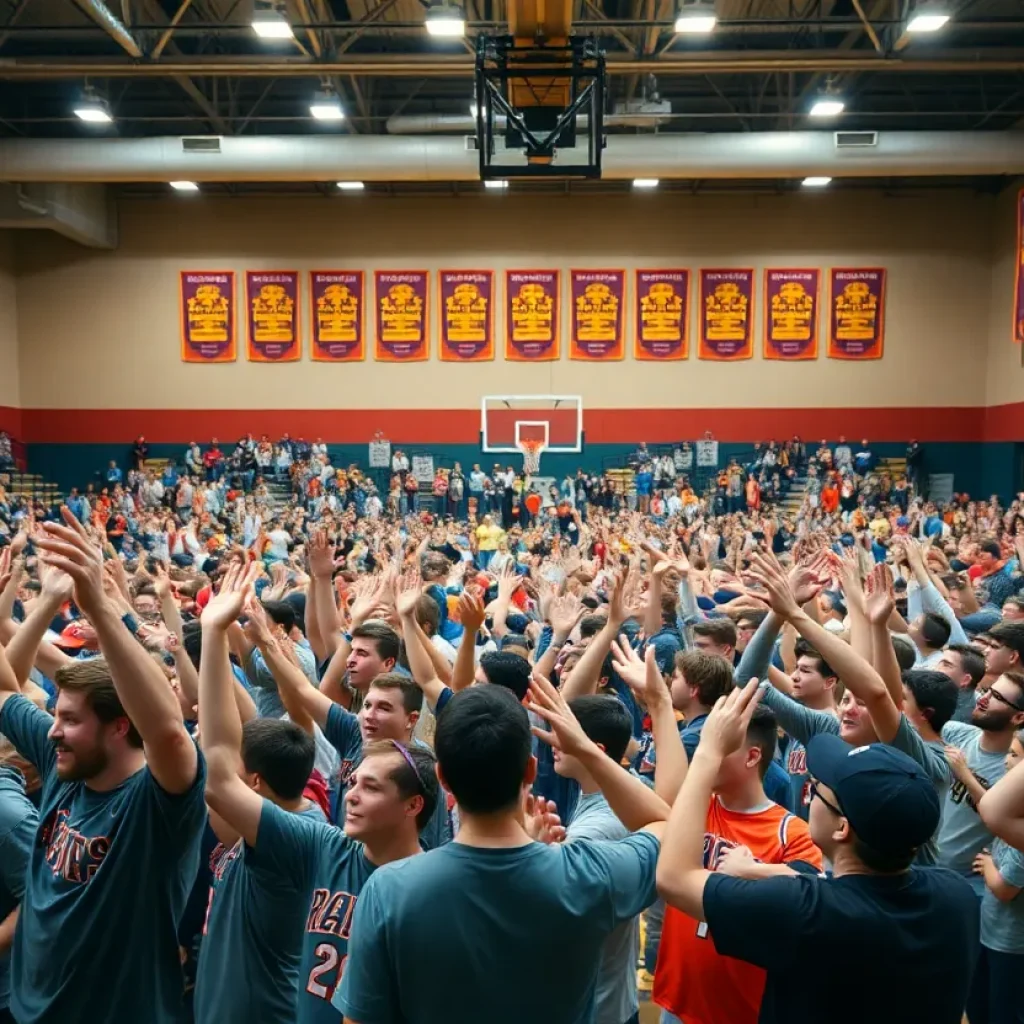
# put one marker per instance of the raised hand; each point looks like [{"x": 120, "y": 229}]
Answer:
[
  {"x": 766, "y": 570},
  {"x": 55, "y": 583},
  {"x": 69, "y": 549},
  {"x": 369, "y": 593},
  {"x": 542, "y": 821},
  {"x": 471, "y": 612},
  {"x": 806, "y": 582},
  {"x": 226, "y": 606},
  {"x": 725, "y": 728},
  {"x": 643, "y": 677},
  {"x": 408, "y": 590},
  {"x": 162, "y": 583},
  {"x": 509, "y": 581},
  {"x": 566, "y": 733},
  {"x": 321, "y": 556},
  {"x": 564, "y": 613},
  {"x": 880, "y": 600},
  {"x": 257, "y": 629}
]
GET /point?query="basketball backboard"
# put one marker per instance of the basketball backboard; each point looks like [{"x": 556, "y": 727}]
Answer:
[{"x": 507, "y": 422}]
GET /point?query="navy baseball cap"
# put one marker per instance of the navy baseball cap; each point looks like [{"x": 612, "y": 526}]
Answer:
[{"x": 886, "y": 796}]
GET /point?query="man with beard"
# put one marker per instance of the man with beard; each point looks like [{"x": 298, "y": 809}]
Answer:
[
  {"x": 121, "y": 817},
  {"x": 977, "y": 758}
]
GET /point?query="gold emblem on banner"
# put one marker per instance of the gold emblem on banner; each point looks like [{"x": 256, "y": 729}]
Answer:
[
  {"x": 401, "y": 314},
  {"x": 725, "y": 313},
  {"x": 273, "y": 314},
  {"x": 856, "y": 310},
  {"x": 208, "y": 314},
  {"x": 792, "y": 311},
  {"x": 465, "y": 312},
  {"x": 337, "y": 314},
  {"x": 533, "y": 314},
  {"x": 661, "y": 313},
  {"x": 597, "y": 312}
]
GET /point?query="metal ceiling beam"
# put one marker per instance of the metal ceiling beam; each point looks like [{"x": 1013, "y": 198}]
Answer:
[
  {"x": 99, "y": 13},
  {"x": 165, "y": 38},
  {"x": 12, "y": 19},
  {"x": 386, "y": 66}
]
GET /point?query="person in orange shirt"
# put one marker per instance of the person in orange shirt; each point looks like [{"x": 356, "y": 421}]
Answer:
[
  {"x": 745, "y": 833},
  {"x": 830, "y": 497}
]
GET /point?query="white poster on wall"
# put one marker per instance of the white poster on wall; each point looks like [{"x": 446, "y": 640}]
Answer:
[
  {"x": 423, "y": 468},
  {"x": 380, "y": 455},
  {"x": 707, "y": 453}
]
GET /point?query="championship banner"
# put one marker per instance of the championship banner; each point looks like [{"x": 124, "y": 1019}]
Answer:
[
  {"x": 662, "y": 314},
  {"x": 400, "y": 315},
  {"x": 856, "y": 313},
  {"x": 467, "y": 315},
  {"x": 726, "y": 314},
  {"x": 336, "y": 301},
  {"x": 272, "y": 315},
  {"x": 598, "y": 314},
  {"x": 532, "y": 315},
  {"x": 791, "y": 314},
  {"x": 1018, "y": 290},
  {"x": 208, "y": 316}
]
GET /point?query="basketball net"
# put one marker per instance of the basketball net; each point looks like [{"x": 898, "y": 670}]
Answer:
[{"x": 532, "y": 451}]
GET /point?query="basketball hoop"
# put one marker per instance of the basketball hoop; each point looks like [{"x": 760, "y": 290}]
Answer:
[{"x": 532, "y": 450}]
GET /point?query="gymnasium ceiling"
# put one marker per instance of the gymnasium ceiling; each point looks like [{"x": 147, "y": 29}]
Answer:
[{"x": 759, "y": 70}]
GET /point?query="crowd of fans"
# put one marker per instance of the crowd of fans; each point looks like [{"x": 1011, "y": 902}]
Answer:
[{"x": 504, "y": 753}]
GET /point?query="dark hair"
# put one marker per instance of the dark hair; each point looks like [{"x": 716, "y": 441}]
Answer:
[
  {"x": 805, "y": 650},
  {"x": 755, "y": 616},
  {"x": 416, "y": 779},
  {"x": 412, "y": 695},
  {"x": 990, "y": 547},
  {"x": 591, "y": 625},
  {"x": 1009, "y": 634},
  {"x": 709, "y": 674},
  {"x": 722, "y": 631},
  {"x": 935, "y": 694},
  {"x": 92, "y": 679},
  {"x": 503, "y": 668},
  {"x": 281, "y": 613},
  {"x": 192, "y": 641},
  {"x": 1016, "y": 601},
  {"x": 434, "y": 564},
  {"x": 428, "y": 615},
  {"x": 387, "y": 640},
  {"x": 606, "y": 721},
  {"x": 281, "y": 752},
  {"x": 905, "y": 651},
  {"x": 971, "y": 662},
  {"x": 883, "y": 863},
  {"x": 763, "y": 733},
  {"x": 669, "y": 606},
  {"x": 935, "y": 630},
  {"x": 483, "y": 746}
]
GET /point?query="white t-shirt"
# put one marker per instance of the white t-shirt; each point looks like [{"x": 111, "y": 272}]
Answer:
[{"x": 278, "y": 544}]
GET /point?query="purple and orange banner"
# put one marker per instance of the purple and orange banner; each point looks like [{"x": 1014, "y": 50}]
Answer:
[
  {"x": 662, "y": 314},
  {"x": 856, "y": 313},
  {"x": 791, "y": 314},
  {"x": 272, "y": 316},
  {"x": 598, "y": 314},
  {"x": 208, "y": 316},
  {"x": 1018, "y": 283},
  {"x": 336, "y": 301},
  {"x": 467, "y": 315},
  {"x": 400, "y": 300},
  {"x": 532, "y": 315},
  {"x": 726, "y": 314}
]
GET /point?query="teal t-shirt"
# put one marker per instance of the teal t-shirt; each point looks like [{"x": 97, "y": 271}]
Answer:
[
  {"x": 328, "y": 871},
  {"x": 249, "y": 958},
  {"x": 19, "y": 821},
  {"x": 519, "y": 931},
  {"x": 1002, "y": 922},
  {"x": 342, "y": 732},
  {"x": 108, "y": 880}
]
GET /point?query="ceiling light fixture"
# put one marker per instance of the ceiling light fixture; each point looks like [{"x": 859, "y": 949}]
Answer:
[
  {"x": 446, "y": 21},
  {"x": 495, "y": 183},
  {"x": 827, "y": 106},
  {"x": 184, "y": 186},
  {"x": 326, "y": 106},
  {"x": 92, "y": 108},
  {"x": 816, "y": 181},
  {"x": 927, "y": 17},
  {"x": 696, "y": 19},
  {"x": 270, "y": 22},
  {"x": 351, "y": 186},
  {"x": 646, "y": 183}
]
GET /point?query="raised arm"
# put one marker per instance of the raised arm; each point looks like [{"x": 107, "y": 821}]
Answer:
[
  {"x": 562, "y": 613},
  {"x": 220, "y": 727},
  {"x": 878, "y": 607},
  {"x": 322, "y": 620},
  {"x": 420, "y": 663},
  {"x": 26, "y": 646},
  {"x": 634, "y": 804},
  {"x": 1002, "y": 807},
  {"x": 509, "y": 581},
  {"x": 148, "y": 701},
  {"x": 471, "y": 615}
]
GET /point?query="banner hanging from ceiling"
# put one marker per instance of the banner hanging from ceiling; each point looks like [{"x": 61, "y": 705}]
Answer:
[
  {"x": 400, "y": 302},
  {"x": 856, "y": 313},
  {"x": 791, "y": 314},
  {"x": 598, "y": 315},
  {"x": 532, "y": 315},
  {"x": 207, "y": 316},
  {"x": 336, "y": 301},
  {"x": 467, "y": 315},
  {"x": 272, "y": 316},
  {"x": 726, "y": 315},
  {"x": 662, "y": 315}
]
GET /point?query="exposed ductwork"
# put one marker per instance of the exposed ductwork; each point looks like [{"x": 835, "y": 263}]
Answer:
[
  {"x": 99, "y": 13},
  {"x": 82, "y": 213},
  {"x": 454, "y": 158},
  {"x": 638, "y": 114}
]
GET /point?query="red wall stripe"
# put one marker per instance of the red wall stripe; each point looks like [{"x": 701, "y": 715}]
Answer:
[{"x": 462, "y": 426}]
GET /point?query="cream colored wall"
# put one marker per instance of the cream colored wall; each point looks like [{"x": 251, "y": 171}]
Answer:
[
  {"x": 10, "y": 376},
  {"x": 1005, "y": 370},
  {"x": 109, "y": 320}
]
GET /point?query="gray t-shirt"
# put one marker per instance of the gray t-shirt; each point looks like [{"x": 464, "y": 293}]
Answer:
[
  {"x": 963, "y": 834},
  {"x": 616, "y": 1000},
  {"x": 1002, "y": 922}
]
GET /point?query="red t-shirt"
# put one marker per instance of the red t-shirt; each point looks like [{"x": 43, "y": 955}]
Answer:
[{"x": 693, "y": 980}]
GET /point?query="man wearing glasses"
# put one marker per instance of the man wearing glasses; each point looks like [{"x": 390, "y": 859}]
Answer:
[{"x": 888, "y": 927}]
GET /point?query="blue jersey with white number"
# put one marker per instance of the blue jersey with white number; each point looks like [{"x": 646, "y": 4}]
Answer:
[{"x": 328, "y": 870}]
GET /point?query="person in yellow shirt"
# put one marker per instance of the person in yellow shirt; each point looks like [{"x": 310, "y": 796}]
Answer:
[{"x": 488, "y": 536}]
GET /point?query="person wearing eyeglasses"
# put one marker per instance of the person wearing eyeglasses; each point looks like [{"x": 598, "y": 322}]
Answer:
[
  {"x": 310, "y": 865},
  {"x": 879, "y": 940}
]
